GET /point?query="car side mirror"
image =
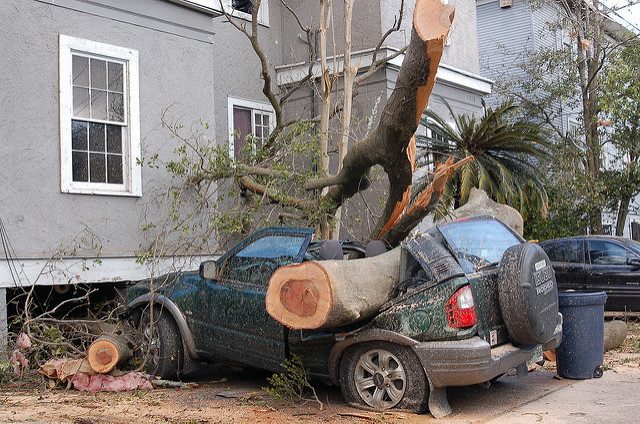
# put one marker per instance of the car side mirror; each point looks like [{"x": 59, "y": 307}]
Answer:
[
  {"x": 208, "y": 270},
  {"x": 633, "y": 262}
]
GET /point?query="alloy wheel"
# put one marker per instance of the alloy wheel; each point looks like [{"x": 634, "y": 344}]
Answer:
[{"x": 380, "y": 379}]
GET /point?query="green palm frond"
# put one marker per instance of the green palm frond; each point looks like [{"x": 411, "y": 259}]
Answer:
[{"x": 507, "y": 153}]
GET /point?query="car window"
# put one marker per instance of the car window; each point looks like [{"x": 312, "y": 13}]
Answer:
[
  {"x": 273, "y": 247},
  {"x": 477, "y": 243},
  {"x": 256, "y": 262},
  {"x": 564, "y": 251},
  {"x": 635, "y": 246},
  {"x": 607, "y": 253}
]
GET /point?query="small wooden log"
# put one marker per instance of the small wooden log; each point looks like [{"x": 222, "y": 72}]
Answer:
[
  {"x": 329, "y": 294},
  {"x": 106, "y": 352},
  {"x": 614, "y": 334}
]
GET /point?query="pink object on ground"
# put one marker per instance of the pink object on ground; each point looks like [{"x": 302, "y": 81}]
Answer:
[
  {"x": 109, "y": 383},
  {"x": 23, "y": 342},
  {"x": 18, "y": 362}
]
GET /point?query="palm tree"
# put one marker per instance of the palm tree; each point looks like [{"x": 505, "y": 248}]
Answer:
[{"x": 507, "y": 153}]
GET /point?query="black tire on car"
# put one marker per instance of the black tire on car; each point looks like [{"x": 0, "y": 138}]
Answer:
[
  {"x": 528, "y": 294},
  {"x": 161, "y": 344},
  {"x": 380, "y": 376}
]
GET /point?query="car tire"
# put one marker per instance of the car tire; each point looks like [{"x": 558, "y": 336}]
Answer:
[
  {"x": 528, "y": 294},
  {"x": 380, "y": 376},
  {"x": 165, "y": 356}
]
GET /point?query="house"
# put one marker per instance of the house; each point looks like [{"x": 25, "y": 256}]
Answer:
[
  {"x": 87, "y": 84},
  {"x": 509, "y": 33}
]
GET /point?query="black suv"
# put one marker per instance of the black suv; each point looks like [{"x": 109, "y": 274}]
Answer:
[{"x": 598, "y": 263}]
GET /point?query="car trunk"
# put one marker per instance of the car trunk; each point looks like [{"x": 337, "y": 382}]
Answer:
[
  {"x": 440, "y": 266},
  {"x": 491, "y": 326}
]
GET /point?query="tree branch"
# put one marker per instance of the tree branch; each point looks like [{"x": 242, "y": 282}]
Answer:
[
  {"x": 387, "y": 144},
  {"x": 306, "y": 206}
]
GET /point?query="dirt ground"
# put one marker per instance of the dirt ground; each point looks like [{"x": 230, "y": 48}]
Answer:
[{"x": 232, "y": 396}]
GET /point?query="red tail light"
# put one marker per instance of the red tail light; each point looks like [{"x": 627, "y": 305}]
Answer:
[{"x": 461, "y": 309}]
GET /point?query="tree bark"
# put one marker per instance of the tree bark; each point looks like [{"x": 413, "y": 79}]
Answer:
[
  {"x": 623, "y": 211},
  {"x": 329, "y": 294},
  {"x": 349, "y": 73},
  {"x": 326, "y": 11},
  {"x": 588, "y": 68}
]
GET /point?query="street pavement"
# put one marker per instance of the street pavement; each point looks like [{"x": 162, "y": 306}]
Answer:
[
  {"x": 541, "y": 398},
  {"x": 614, "y": 398}
]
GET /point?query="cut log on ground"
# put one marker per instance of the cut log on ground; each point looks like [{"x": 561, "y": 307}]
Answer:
[
  {"x": 614, "y": 334},
  {"x": 107, "y": 352},
  {"x": 329, "y": 294}
]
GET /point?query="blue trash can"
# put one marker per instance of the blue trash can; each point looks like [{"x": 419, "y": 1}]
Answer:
[{"x": 581, "y": 352}]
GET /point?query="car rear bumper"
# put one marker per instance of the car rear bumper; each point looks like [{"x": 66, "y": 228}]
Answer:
[{"x": 473, "y": 361}]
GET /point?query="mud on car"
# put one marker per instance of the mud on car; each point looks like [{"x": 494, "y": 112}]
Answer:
[{"x": 473, "y": 301}]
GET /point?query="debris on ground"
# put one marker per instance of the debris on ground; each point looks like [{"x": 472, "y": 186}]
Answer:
[
  {"x": 62, "y": 368},
  {"x": 108, "y": 383},
  {"x": 17, "y": 359},
  {"x": 23, "y": 342},
  {"x": 79, "y": 375},
  {"x": 169, "y": 384}
]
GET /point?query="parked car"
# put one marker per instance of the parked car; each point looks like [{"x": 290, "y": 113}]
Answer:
[
  {"x": 473, "y": 300},
  {"x": 598, "y": 263}
]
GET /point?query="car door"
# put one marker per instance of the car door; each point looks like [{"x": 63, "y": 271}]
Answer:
[
  {"x": 239, "y": 327},
  {"x": 611, "y": 272},
  {"x": 568, "y": 261}
]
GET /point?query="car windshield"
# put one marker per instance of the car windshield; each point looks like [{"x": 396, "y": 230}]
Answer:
[{"x": 478, "y": 243}]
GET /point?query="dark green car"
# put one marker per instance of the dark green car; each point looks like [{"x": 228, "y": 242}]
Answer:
[{"x": 473, "y": 300}]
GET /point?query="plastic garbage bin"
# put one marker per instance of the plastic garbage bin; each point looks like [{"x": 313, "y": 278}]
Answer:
[{"x": 581, "y": 352}]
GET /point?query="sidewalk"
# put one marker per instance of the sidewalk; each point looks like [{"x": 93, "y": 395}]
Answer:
[{"x": 614, "y": 398}]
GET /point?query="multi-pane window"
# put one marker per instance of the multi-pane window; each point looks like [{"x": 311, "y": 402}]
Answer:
[
  {"x": 99, "y": 118},
  {"x": 248, "y": 119}
]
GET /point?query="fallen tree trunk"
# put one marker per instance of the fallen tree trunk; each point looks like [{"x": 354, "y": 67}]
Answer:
[
  {"x": 106, "y": 352},
  {"x": 329, "y": 294}
]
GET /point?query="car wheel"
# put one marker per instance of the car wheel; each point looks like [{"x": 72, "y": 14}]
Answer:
[
  {"x": 382, "y": 376},
  {"x": 161, "y": 344}
]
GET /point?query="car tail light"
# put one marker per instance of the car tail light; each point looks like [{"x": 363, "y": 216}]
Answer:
[{"x": 461, "y": 309}]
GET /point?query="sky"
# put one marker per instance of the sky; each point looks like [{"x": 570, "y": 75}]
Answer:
[{"x": 629, "y": 16}]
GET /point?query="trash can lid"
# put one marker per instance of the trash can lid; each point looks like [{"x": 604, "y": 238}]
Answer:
[{"x": 577, "y": 298}]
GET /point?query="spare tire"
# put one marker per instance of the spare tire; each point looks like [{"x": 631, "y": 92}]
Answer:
[{"x": 528, "y": 294}]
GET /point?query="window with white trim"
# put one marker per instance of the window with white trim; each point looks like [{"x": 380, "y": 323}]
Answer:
[
  {"x": 99, "y": 118},
  {"x": 247, "y": 118}
]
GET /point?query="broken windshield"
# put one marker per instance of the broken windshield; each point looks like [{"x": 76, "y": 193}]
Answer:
[{"x": 478, "y": 243}]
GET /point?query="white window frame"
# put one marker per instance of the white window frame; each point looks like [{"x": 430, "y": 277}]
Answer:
[
  {"x": 132, "y": 172},
  {"x": 214, "y": 6},
  {"x": 263, "y": 108}
]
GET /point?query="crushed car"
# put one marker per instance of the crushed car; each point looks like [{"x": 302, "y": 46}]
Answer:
[{"x": 473, "y": 300}]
